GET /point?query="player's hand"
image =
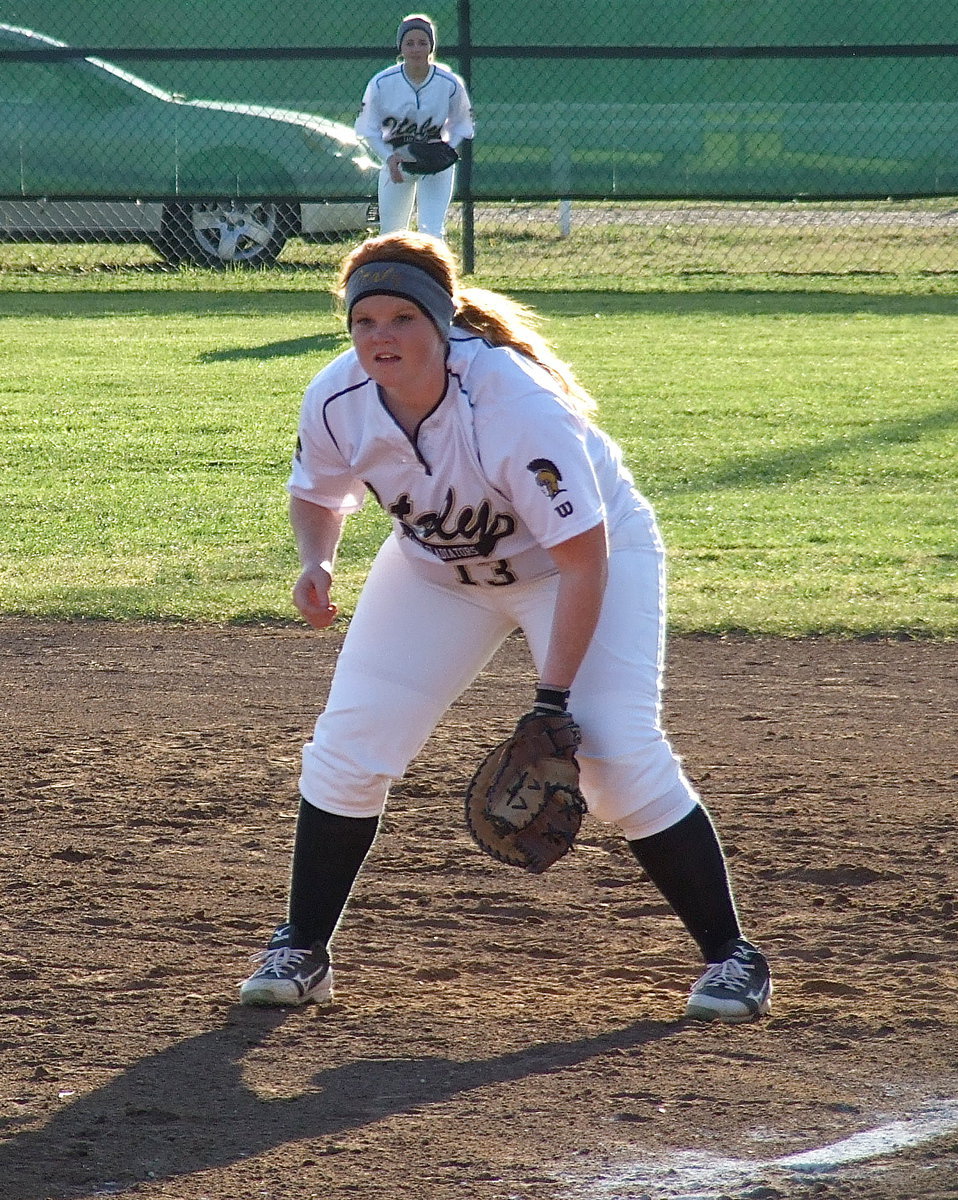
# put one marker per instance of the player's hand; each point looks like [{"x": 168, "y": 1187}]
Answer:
[
  {"x": 393, "y": 162},
  {"x": 311, "y": 597}
]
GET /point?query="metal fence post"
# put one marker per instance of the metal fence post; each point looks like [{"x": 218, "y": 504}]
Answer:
[{"x": 465, "y": 167}]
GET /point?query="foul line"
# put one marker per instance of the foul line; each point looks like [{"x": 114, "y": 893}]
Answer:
[{"x": 690, "y": 1175}]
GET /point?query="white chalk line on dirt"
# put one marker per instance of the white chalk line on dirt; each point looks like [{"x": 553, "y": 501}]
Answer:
[{"x": 693, "y": 1175}]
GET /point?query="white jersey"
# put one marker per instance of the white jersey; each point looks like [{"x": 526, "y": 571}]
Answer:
[
  {"x": 501, "y": 470},
  {"x": 395, "y": 111}
]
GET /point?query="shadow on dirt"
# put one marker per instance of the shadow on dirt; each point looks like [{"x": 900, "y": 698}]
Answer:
[{"x": 189, "y": 1108}]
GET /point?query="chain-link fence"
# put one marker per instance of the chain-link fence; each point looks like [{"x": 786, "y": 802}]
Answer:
[{"x": 635, "y": 136}]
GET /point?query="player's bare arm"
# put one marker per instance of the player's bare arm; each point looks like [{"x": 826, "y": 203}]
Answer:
[
  {"x": 583, "y": 565},
  {"x": 317, "y": 531}
]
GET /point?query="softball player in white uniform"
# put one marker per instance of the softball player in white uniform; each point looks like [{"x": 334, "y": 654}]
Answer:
[
  {"x": 418, "y": 99},
  {"x": 511, "y": 510}
]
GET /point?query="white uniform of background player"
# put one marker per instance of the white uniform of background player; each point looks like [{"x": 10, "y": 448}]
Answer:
[{"x": 417, "y": 99}]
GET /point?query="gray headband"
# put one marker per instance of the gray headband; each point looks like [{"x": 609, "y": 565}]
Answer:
[
  {"x": 422, "y": 23},
  {"x": 401, "y": 279}
]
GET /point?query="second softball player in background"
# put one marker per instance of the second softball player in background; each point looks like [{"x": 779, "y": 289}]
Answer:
[{"x": 416, "y": 100}]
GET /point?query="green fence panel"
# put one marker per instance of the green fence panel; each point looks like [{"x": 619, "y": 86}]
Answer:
[
  {"x": 199, "y": 118},
  {"x": 714, "y": 98}
]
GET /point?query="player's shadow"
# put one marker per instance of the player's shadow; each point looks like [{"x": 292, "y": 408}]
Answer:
[
  {"x": 189, "y": 1108},
  {"x": 289, "y": 348}
]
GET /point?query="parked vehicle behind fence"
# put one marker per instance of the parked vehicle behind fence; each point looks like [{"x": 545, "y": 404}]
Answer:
[{"x": 89, "y": 151}]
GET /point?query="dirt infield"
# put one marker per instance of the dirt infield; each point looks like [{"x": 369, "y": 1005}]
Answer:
[{"x": 494, "y": 1036}]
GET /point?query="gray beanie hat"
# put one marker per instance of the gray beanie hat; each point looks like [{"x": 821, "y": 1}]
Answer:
[{"x": 416, "y": 21}]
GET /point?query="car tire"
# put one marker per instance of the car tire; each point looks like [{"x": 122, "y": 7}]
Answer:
[{"x": 223, "y": 233}]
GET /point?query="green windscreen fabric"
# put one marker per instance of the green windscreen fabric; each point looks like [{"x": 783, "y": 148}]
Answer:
[{"x": 624, "y": 100}]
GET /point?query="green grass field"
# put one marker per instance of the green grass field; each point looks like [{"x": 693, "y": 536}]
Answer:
[{"x": 796, "y": 437}]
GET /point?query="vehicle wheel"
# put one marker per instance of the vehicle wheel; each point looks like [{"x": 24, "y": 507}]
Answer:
[{"x": 220, "y": 233}]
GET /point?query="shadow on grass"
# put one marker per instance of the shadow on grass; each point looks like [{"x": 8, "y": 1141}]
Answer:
[
  {"x": 232, "y": 298},
  {"x": 736, "y": 299},
  {"x": 289, "y": 348},
  {"x": 188, "y": 1107},
  {"x": 785, "y": 465}
]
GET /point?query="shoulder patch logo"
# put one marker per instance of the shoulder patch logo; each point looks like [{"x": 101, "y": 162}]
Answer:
[{"x": 548, "y": 476}]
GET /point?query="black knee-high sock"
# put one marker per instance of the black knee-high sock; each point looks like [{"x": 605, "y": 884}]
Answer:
[
  {"x": 686, "y": 864},
  {"x": 327, "y": 854}
]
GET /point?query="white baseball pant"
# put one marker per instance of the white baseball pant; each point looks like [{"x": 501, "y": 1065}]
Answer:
[
  {"x": 431, "y": 195},
  {"x": 413, "y": 646}
]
